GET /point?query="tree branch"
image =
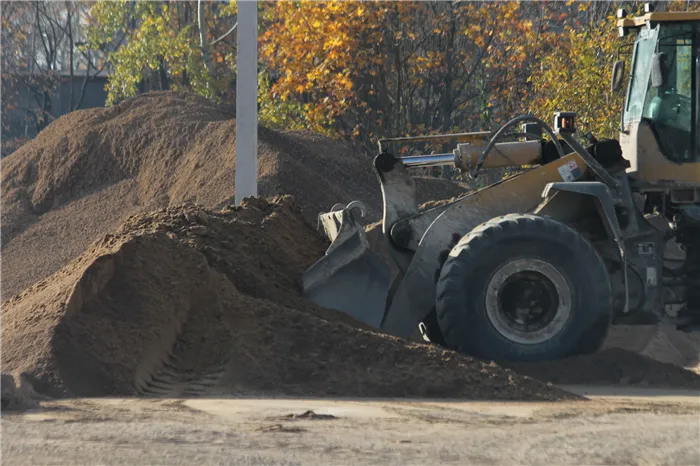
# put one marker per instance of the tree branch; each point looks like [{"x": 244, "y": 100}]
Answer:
[
  {"x": 228, "y": 33},
  {"x": 41, "y": 34},
  {"x": 201, "y": 24}
]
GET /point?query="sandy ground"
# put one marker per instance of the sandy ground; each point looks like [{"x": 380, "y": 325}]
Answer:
[{"x": 631, "y": 427}]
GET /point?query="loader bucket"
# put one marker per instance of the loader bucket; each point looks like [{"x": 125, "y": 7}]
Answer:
[{"x": 349, "y": 277}]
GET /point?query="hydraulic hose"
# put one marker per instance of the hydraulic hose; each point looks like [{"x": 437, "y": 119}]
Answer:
[{"x": 507, "y": 126}]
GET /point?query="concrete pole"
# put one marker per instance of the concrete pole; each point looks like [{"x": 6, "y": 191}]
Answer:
[{"x": 247, "y": 101}]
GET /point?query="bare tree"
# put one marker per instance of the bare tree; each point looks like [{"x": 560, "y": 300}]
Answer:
[{"x": 41, "y": 47}]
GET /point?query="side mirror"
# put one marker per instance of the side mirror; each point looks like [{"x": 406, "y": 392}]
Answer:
[
  {"x": 659, "y": 69},
  {"x": 617, "y": 75}
]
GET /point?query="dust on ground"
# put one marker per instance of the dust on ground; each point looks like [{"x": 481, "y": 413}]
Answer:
[{"x": 346, "y": 431}]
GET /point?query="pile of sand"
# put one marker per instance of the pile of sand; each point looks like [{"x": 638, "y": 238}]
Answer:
[
  {"x": 187, "y": 301},
  {"x": 89, "y": 170},
  {"x": 12, "y": 398},
  {"x": 9, "y": 146},
  {"x": 611, "y": 366},
  {"x": 662, "y": 343}
]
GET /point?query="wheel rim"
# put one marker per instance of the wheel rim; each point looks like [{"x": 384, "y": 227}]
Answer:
[{"x": 528, "y": 301}]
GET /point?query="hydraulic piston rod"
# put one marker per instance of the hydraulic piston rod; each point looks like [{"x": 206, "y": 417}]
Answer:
[{"x": 433, "y": 160}]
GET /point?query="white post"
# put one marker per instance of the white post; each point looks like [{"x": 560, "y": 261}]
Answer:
[{"x": 247, "y": 101}]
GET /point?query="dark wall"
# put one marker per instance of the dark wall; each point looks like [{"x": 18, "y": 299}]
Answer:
[
  {"x": 18, "y": 123},
  {"x": 95, "y": 94}
]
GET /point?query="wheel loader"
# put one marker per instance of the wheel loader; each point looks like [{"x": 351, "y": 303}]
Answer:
[{"x": 590, "y": 233}]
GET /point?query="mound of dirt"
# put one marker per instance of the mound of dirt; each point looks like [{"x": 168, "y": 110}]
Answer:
[
  {"x": 662, "y": 343},
  {"x": 90, "y": 169},
  {"x": 186, "y": 301},
  {"x": 612, "y": 366},
  {"x": 12, "y": 398},
  {"x": 9, "y": 146}
]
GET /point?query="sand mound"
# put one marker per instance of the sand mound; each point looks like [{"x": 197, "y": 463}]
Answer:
[
  {"x": 612, "y": 366},
  {"x": 12, "y": 398},
  {"x": 91, "y": 169},
  {"x": 186, "y": 301},
  {"x": 7, "y": 147},
  {"x": 662, "y": 343}
]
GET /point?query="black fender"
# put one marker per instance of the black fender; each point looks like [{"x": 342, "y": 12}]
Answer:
[
  {"x": 603, "y": 198},
  {"x": 605, "y": 205}
]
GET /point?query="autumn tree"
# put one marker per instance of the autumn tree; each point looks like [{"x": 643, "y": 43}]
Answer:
[
  {"x": 363, "y": 70},
  {"x": 373, "y": 69},
  {"x": 575, "y": 76},
  {"x": 167, "y": 45}
]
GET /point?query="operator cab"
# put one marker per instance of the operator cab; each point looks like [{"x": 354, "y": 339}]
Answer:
[{"x": 660, "y": 134}]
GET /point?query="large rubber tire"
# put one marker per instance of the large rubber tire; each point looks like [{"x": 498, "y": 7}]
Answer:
[{"x": 484, "y": 257}]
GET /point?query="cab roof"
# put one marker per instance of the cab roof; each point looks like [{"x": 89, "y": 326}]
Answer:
[{"x": 661, "y": 17}]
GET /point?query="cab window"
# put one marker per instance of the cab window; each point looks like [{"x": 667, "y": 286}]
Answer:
[
  {"x": 639, "y": 78},
  {"x": 670, "y": 108}
]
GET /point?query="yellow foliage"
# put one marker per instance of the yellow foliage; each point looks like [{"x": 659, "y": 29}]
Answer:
[
  {"x": 329, "y": 52},
  {"x": 575, "y": 74}
]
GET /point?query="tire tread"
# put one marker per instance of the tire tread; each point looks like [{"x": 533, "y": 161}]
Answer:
[{"x": 449, "y": 299}]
